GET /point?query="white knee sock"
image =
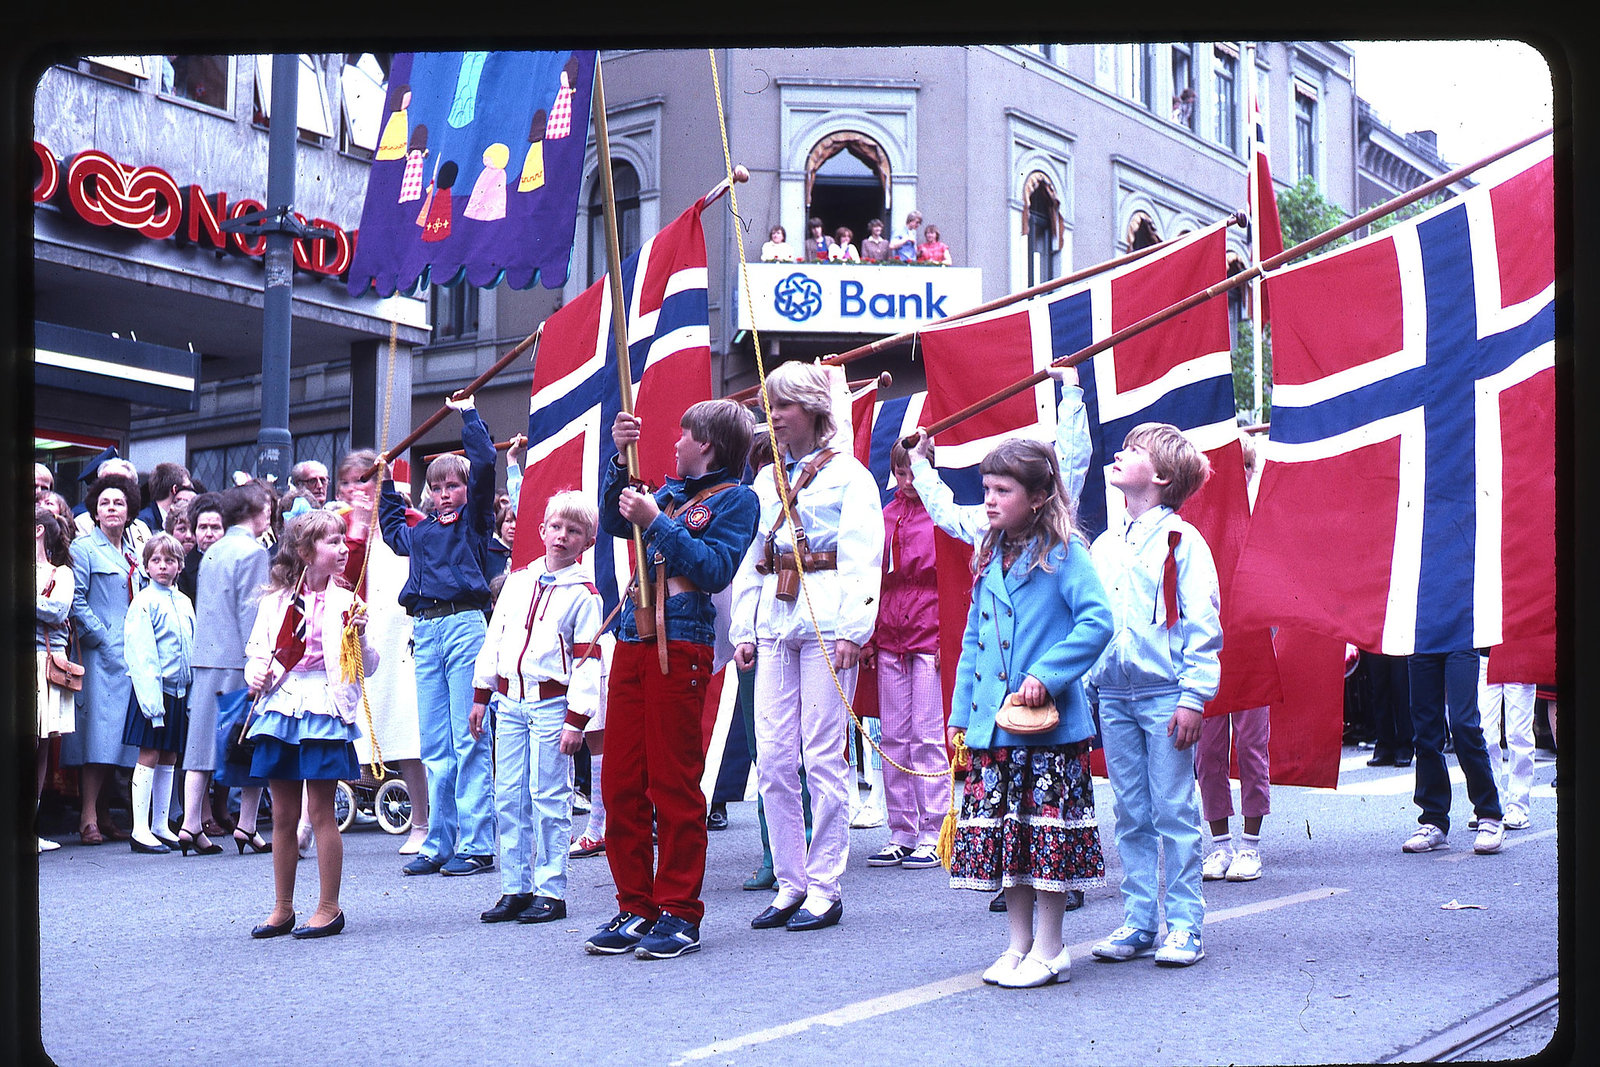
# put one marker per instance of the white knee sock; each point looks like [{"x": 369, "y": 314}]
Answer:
[
  {"x": 1251, "y": 841},
  {"x": 161, "y": 801},
  {"x": 596, "y": 827},
  {"x": 143, "y": 777}
]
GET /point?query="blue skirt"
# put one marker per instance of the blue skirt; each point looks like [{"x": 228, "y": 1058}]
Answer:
[
  {"x": 310, "y": 760},
  {"x": 138, "y": 731}
]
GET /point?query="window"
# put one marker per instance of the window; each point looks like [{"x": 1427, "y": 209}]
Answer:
[
  {"x": 311, "y": 98},
  {"x": 1142, "y": 232},
  {"x": 1305, "y": 130},
  {"x": 124, "y": 70},
  {"x": 1043, "y": 228},
  {"x": 362, "y": 83},
  {"x": 205, "y": 80},
  {"x": 1225, "y": 97},
  {"x": 453, "y": 310},
  {"x": 847, "y": 185},
  {"x": 1126, "y": 69},
  {"x": 625, "y": 188},
  {"x": 1183, "y": 94}
]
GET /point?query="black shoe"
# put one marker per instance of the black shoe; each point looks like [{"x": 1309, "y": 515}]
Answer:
[
  {"x": 717, "y": 820},
  {"x": 325, "y": 930},
  {"x": 1402, "y": 761},
  {"x": 1381, "y": 759},
  {"x": 157, "y": 849},
  {"x": 422, "y": 865},
  {"x": 775, "y": 917},
  {"x": 273, "y": 929},
  {"x": 804, "y": 920},
  {"x": 544, "y": 910},
  {"x": 998, "y": 903},
  {"x": 1074, "y": 900},
  {"x": 507, "y": 907},
  {"x": 187, "y": 840}
]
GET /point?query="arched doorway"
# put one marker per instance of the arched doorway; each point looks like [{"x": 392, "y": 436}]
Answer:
[{"x": 847, "y": 184}]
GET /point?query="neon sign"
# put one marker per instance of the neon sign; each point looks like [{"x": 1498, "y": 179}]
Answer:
[{"x": 148, "y": 201}]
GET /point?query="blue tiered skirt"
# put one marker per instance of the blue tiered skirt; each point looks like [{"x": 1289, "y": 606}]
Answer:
[{"x": 299, "y": 735}]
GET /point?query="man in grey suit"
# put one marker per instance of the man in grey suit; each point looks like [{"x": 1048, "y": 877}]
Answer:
[{"x": 233, "y": 573}]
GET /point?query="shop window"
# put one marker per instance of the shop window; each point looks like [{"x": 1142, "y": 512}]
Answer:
[
  {"x": 625, "y": 190},
  {"x": 1225, "y": 97},
  {"x": 453, "y": 310},
  {"x": 311, "y": 99},
  {"x": 206, "y": 80},
  {"x": 362, "y": 84},
  {"x": 847, "y": 184},
  {"x": 1043, "y": 225}
]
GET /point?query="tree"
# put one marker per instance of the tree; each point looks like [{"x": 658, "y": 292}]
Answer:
[
  {"x": 1244, "y": 370},
  {"x": 1304, "y": 212}
]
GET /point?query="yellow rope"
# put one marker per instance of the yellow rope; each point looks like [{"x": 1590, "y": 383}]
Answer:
[{"x": 777, "y": 459}]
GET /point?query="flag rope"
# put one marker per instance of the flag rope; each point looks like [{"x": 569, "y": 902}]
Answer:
[{"x": 947, "y": 832}]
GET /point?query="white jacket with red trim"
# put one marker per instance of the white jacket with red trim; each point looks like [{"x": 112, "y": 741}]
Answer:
[{"x": 545, "y": 628}]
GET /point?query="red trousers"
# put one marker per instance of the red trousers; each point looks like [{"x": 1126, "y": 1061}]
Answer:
[{"x": 655, "y": 755}]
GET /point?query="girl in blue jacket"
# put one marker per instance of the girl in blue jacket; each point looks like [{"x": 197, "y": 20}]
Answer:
[{"x": 1039, "y": 620}]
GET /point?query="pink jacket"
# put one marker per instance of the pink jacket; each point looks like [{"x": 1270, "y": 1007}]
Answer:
[{"x": 908, "y": 611}]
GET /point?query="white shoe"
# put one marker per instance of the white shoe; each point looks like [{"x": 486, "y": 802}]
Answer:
[
  {"x": 306, "y": 839},
  {"x": 1491, "y": 837},
  {"x": 1034, "y": 971},
  {"x": 414, "y": 840},
  {"x": 866, "y": 817},
  {"x": 47, "y": 845},
  {"x": 1008, "y": 961},
  {"x": 580, "y": 804},
  {"x": 1425, "y": 838},
  {"x": 1181, "y": 948},
  {"x": 1516, "y": 819},
  {"x": 1215, "y": 867},
  {"x": 1246, "y": 866}
]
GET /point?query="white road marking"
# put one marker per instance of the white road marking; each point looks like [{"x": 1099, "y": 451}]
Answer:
[{"x": 909, "y": 998}]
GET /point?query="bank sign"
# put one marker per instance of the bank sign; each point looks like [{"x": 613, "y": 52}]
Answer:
[{"x": 854, "y": 298}]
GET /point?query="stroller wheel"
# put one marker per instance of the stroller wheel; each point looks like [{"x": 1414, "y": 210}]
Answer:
[
  {"x": 344, "y": 805},
  {"x": 393, "y": 806}
]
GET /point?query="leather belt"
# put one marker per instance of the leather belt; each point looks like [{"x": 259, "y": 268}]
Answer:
[
  {"x": 815, "y": 561},
  {"x": 547, "y": 689},
  {"x": 438, "y": 609}
]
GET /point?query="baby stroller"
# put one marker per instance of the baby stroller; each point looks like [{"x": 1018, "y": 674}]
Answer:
[{"x": 385, "y": 799}]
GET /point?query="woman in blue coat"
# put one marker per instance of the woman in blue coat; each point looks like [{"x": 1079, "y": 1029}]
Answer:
[
  {"x": 105, "y": 574},
  {"x": 1039, "y": 620}
]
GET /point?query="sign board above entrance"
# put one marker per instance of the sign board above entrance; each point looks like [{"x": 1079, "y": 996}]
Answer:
[{"x": 854, "y": 298}]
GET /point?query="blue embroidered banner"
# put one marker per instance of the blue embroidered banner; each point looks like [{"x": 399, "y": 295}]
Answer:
[{"x": 477, "y": 171}]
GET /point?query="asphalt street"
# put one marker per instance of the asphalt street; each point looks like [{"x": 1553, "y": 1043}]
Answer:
[{"x": 1346, "y": 950}]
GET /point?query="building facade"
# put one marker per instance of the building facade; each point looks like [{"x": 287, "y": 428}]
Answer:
[{"x": 1033, "y": 161}]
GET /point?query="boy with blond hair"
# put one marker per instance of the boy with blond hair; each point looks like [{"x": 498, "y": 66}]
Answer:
[
  {"x": 541, "y": 663},
  {"x": 1151, "y": 686}
]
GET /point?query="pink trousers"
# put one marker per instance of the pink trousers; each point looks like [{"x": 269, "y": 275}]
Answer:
[
  {"x": 1247, "y": 732},
  {"x": 911, "y": 715}
]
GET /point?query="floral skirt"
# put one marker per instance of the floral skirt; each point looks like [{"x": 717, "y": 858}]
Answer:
[{"x": 1027, "y": 818}]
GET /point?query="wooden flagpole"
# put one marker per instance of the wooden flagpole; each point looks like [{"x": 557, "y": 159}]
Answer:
[
  {"x": 1244, "y": 277},
  {"x": 644, "y": 594}
]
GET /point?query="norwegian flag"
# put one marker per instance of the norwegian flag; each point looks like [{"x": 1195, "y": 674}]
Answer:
[
  {"x": 1407, "y": 502},
  {"x": 1179, "y": 372},
  {"x": 878, "y": 425},
  {"x": 1266, "y": 232},
  {"x": 291, "y": 643},
  {"x": 577, "y": 392}
]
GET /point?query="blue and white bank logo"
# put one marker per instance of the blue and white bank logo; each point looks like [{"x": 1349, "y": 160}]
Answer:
[{"x": 797, "y": 297}]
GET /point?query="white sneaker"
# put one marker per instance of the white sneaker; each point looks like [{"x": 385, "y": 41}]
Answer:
[
  {"x": 866, "y": 817},
  {"x": 1516, "y": 819},
  {"x": 47, "y": 845},
  {"x": 580, "y": 803},
  {"x": 1215, "y": 867},
  {"x": 1425, "y": 838},
  {"x": 1246, "y": 866},
  {"x": 1491, "y": 837},
  {"x": 1181, "y": 948}
]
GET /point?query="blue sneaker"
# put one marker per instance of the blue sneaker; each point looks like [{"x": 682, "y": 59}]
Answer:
[
  {"x": 422, "y": 865},
  {"x": 669, "y": 938},
  {"x": 1126, "y": 943},
  {"x": 1180, "y": 949},
  {"x": 619, "y": 935},
  {"x": 468, "y": 865}
]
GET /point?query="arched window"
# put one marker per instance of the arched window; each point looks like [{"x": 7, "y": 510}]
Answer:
[
  {"x": 1043, "y": 226},
  {"x": 847, "y": 183},
  {"x": 625, "y": 188},
  {"x": 1236, "y": 305},
  {"x": 1142, "y": 232}
]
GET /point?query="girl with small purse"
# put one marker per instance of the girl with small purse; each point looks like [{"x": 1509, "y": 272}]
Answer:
[
  {"x": 1039, "y": 620},
  {"x": 52, "y": 579}
]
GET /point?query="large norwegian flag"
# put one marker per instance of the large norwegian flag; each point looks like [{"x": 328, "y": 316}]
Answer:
[
  {"x": 1407, "y": 502},
  {"x": 1179, "y": 372},
  {"x": 577, "y": 391}
]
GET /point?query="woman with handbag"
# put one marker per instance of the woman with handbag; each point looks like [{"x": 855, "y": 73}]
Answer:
[
  {"x": 59, "y": 678},
  {"x": 303, "y": 721},
  {"x": 106, "y": 575},
  {"x": 1039, "y": 620}
]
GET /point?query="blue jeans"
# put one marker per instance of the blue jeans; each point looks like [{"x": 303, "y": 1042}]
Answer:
[
  {"x": 532, "y": 796},
  {"x": 1446, "y": 684},
  {"x": 1157, "y": 806},
  {"x": 460, "y": 798}
]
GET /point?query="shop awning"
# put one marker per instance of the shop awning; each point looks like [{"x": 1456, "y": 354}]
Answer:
[{"x": 87, "y": 362}]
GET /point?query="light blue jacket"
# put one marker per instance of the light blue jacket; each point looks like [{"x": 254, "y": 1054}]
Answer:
[{"x": 1051, "y": 624}]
